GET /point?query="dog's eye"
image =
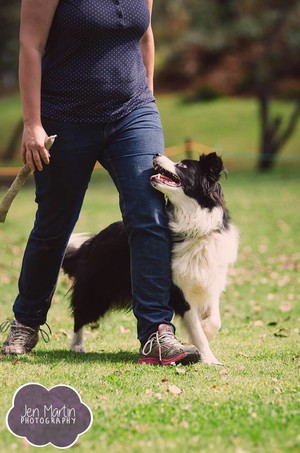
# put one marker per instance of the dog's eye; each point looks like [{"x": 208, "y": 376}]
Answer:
[{"x": 181, "y": 165}]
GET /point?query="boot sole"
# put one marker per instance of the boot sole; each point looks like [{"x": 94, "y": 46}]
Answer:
[{"x": 184, "y": 358}]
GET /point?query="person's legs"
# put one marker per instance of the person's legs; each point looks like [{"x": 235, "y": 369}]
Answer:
[
  {"x": 131, "y": 144},
  {"x": 60, "y": 190},
  {"x": 126, "y": 149}
]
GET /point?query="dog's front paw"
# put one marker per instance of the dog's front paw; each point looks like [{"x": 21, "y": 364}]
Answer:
[{"x": 77, "y": 348}]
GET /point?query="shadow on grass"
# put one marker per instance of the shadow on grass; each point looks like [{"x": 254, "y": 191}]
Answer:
[{"x": 58, "y": 356}]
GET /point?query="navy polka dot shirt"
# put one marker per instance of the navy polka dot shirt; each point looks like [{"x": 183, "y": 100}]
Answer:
[{"x": 92, "y": 69}]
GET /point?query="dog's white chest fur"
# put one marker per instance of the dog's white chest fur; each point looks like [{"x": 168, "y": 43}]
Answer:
[
  {"x": 200, "y": 261},
  {"x": 199, "y": 265}
]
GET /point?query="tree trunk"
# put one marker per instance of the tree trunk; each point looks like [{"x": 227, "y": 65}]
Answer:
[
  {"x": 273, "y": 135},
  {"x": 11, "y": 148},
  {"x": 267, "y": 157},
  {"x": 266, "y": 150}
]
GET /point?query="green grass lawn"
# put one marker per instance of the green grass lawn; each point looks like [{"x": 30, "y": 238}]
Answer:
[
  {"x": 228, "y": 124},
  {"x": 250, "y": 405}
]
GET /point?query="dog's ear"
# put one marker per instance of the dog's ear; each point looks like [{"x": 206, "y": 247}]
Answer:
[{"x": 211, "y": 166}]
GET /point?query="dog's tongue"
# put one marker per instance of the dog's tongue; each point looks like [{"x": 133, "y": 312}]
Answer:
[
  {"x": 162, "y": 178},
  {"x": 165, "y": 328}
]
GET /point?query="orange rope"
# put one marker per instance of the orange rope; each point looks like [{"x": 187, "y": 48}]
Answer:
[{"x": 192, "y": 145}]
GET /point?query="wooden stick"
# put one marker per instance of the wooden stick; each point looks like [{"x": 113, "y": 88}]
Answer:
[{"x": 18, "y": 183}]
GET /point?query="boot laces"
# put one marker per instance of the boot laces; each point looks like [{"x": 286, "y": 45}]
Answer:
[
  {"x": 166, "y": 339},
  {"x": 20, "y": 332}
]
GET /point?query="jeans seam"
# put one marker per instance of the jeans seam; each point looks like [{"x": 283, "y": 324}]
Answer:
[{"x": 115, "y": 176}]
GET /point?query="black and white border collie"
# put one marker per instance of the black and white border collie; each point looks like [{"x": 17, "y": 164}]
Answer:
[{"x": 204, "y": 244}]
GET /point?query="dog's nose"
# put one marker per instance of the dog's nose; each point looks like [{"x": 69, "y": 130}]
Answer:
[{"x": 157, "y": 155}]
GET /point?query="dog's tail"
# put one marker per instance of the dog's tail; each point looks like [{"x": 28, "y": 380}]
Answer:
[{"x": 73, "y": 253}]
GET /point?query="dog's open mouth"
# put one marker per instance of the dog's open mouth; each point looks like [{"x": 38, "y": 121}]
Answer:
[{"x": 165, "y": 177}]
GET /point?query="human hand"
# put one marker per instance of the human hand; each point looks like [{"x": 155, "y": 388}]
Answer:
[{"x": 34, "y": 151}]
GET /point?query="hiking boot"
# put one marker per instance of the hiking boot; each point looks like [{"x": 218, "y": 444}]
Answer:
[
  {"x": 21, "y": 339},
  {"x": 163, "y": 348}
]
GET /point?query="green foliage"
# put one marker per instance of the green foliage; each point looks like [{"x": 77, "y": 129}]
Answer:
[
  {"x": 250, "y": 406},
  {"x": 204, "y": 93},
  {"x": 255, "y": 33},
  {"x": 9, "y": 38}
]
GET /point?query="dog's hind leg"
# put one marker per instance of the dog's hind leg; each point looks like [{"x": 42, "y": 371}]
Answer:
[
  {"x": 194, "y": 328},
  {"x": 77, "y": 341}
]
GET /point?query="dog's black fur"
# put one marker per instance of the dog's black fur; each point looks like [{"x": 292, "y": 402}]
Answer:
[{"x": 101, "y": 272}]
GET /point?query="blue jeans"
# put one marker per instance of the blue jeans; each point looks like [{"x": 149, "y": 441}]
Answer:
[{"x": 125, "y": 148}]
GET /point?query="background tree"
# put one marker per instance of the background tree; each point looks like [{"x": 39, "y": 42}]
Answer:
[
  {"x": 9, "y": 43},
  {"x": 233, "y": 47},
  {"x": 236, "y": 47},
  {"x": 278, "y": 57}
]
